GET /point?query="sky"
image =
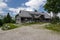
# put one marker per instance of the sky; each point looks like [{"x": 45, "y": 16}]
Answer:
[{"x": 14, "y": 6}]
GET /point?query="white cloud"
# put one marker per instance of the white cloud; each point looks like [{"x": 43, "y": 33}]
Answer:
[
  {"x": 31, "y": 5},
  {"x": 4, "y": 0},
  {"x": 3, "y": 5},
  {"x": 35, "y": 3},
  {"x": 1, "y": 11},
  {"x": 29, "y": 9},
  {"x": 16, "y": 10},
  {"x": 1, "y": 0}
]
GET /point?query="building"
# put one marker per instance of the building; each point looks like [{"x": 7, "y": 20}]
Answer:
[{"x": 29, "y": 16}]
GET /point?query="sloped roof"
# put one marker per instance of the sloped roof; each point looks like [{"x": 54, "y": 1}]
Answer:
[
  {"x": 27, "y": 14},
  {"x": 24, "y": 14}
]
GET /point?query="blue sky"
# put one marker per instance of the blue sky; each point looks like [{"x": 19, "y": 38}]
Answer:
[
  {"x": 16, "y": 3},
  {"x": 14, "y": 6}
]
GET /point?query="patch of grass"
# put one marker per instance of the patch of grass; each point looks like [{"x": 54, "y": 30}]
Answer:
[
  {"x": 26, "y": 24},
  {"x": 8, "y": 26},
  {"x": 54, "y": 27}
]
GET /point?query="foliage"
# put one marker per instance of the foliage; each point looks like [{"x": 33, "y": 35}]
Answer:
[
  {"x": 55, "y": 20},
  {"x": 1, "y": 22},
  {"x": 13, "y": 21},
  {"x": 54, "y": 27},
  {"x": 7, "y": 19},
  {"x": 25, "y": 24},
  {"x": 53, "y": 5},
  {"x": 8, "y": 26}
]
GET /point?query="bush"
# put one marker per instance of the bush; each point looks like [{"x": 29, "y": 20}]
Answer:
[
  {"x": 8, "y": 26},
  {"x": 31, "y": 23},
  {"x": 13, "y": 21},
  {"x": 1, "y": 22},
  {"x": 55, "y": 20},
  {"x": 54, "y": 27}
]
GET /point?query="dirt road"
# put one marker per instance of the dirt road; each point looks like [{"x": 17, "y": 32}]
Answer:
[{"x": 32, "y": 32}]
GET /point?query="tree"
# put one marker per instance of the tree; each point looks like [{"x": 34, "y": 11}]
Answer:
[
  {"x": 53, "y": 5},
  {"x": 7, "y": 19}
]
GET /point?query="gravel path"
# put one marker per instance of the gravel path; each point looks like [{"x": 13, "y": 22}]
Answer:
[{"x": 29, "y": 33}]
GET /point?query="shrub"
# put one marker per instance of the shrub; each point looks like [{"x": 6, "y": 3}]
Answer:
[
  {"x": 55, "y": 20},
  {"x": 1, "y": 22},
  {"x": 8, "y": 26},
  {"x": 54, "y": 27},
  {"x": 13, "y": 21}
]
